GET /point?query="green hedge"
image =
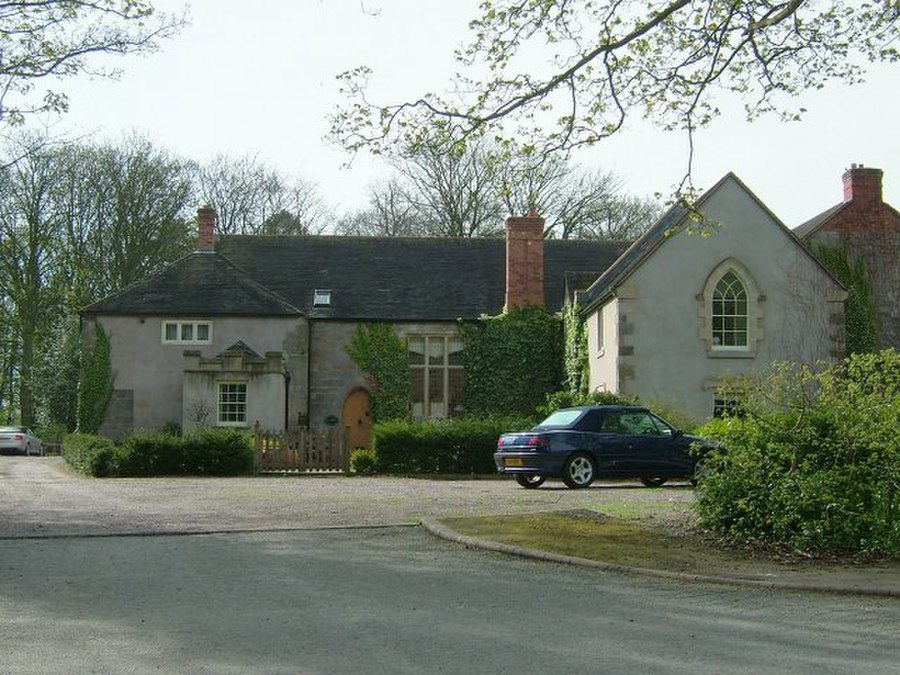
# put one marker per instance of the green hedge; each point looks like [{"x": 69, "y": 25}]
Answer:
[
  {"x": 463, "y": 446},
  {"x": 91, "y": 455},
  {"x": 814, "y": 462},
  {"x": 210, "y": 452}
]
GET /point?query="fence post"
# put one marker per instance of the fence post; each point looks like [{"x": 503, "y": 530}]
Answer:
[
  {"x": 344, "y": 440},
  {"x": 257, "y": 453}
]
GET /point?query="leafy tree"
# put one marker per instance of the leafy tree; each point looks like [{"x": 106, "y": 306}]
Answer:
[
  {"x": 252, "y": 198},
  {"x": 665, "y": 60},
  {"x": 62, "y": 38},
  {"x": 29, "y": 254},
  {"x": 77, "y": 223}
]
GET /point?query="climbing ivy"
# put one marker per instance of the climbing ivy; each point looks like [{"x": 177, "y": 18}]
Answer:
[
  {"x": 382, "y": 356},
  {"x": 576, "y": 349},
  {"x": 859, "y": 312},
  {"x": 512, "y": 361},
  {"x": 96, "y": 384}
]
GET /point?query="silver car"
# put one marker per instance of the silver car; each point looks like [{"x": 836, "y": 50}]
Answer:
[{"x": 20, "y": 440}]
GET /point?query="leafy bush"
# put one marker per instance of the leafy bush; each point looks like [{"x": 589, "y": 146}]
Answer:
[
  {"x": 464, "y": 446},
  {"x": 90, "y": 455},
  {"x": 363, "y": 460},
  {"x": 211, "y": 452},
  {"x": 150, "y": 454},
  {"x": 217, "y": 452},
  {"x": 814, "y": 464}
]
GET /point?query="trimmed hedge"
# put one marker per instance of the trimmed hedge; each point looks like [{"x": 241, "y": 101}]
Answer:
[
  {"x": 464, "y": 446},
  {"x": 90, "y": 455},
  {"x": 208, "y": 452}
]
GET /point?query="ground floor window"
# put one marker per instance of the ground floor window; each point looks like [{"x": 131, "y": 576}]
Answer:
[
  {"x": 232, "y": 403},
  {"x": 726, "y": 406},
  {"x": 436, "y": 376}
]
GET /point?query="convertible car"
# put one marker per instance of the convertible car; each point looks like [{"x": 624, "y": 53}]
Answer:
[{"x": 600, "y": 441}]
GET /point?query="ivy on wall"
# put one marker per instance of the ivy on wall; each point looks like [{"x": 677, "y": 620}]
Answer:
[
  {"x": 576, "y": 349},
  {"x": 512, "y": 361},
  {"x": 95, "y": 387},
  {"x": 859, "y": 311},
  {"x": 382, "y": 356}
]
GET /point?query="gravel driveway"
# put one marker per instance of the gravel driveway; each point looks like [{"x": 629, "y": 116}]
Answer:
[{"x": 41, "y": 496}]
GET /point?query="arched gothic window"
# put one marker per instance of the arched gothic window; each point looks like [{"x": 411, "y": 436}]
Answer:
[
  {"x": 730, "y": 312},
  {"x": 731, "y": 308}
]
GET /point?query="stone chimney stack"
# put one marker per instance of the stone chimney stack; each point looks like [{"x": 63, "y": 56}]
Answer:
[
  {"x": 525, "y": 261},
  {"x": 862, "y": 185},
  {"x": 206, "y": 228}
]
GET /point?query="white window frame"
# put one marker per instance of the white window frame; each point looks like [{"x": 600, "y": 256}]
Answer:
[
  {"x": 180, "y": 326},
  {"x": 733, "y": 331},
  {"x": 227, "y": 420},
  {"x": 754, "y": 309}
]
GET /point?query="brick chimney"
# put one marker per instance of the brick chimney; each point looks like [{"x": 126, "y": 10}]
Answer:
[
  {"x": 862, "y": 185},
  {"x": 525, "y": 261},
  {"x": 206, "y": 228}
]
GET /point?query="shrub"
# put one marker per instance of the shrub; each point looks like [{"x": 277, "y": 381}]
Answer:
[
  {"x": 150, "y": 454},
  {"x": 464, "y": 446},
  {"x": 217, "y": 452},
  {"x": 90, "y": 455},
  {"x": 815, "y": 462},
  {"x": 210, "y": 452},
  {"x": 363, "y": 460}
]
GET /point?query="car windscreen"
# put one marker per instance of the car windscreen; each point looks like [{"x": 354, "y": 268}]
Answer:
[{"x": 561, "y": 418}]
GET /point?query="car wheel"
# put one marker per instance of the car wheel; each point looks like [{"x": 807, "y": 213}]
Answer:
[
  {"x": 529, "y": 480},
  {"x": 654, "y": 481},
  {"x": 578, "y": 471}
]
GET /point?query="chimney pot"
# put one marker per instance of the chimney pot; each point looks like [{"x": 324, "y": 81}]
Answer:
[
  {"x": 862, "y": 185},
  {"x": 206, "y": 228},
  {"x": 525, "y": 261}
]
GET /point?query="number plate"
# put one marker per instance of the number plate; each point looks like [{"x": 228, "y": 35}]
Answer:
[{"x": 513, "y": 461}]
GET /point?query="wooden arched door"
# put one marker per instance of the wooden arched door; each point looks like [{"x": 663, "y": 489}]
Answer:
[{"x": 357, "y": 419}]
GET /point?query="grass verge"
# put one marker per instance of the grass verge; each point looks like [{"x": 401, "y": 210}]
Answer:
[{"x": 636, "y": 543}]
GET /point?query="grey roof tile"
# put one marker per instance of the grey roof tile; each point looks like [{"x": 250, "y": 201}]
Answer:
[{"x": 370, "y": 278}]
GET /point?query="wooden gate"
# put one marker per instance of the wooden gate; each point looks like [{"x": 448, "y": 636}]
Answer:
[{"x": 302, "y": 450}]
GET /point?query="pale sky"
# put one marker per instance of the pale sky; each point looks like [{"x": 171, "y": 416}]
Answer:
[{"x": 259, "y": 78}]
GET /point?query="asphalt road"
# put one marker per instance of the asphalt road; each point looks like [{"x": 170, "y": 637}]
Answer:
[
  {"x": 396, "y": 600},
  {"x": 273, "y": 598}
]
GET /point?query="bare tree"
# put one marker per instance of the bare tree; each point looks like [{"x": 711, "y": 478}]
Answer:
[
  {"x": 252, "y": 198},
  {"x": 466, "y": 190},
  {"x": 390, "y": 214}
]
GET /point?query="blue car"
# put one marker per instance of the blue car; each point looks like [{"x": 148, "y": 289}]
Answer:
[{"x": 600, "y": 441}]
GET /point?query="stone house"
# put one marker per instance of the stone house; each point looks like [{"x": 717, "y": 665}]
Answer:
[
  {"x": 868, "y": 229},
  {"x": 724, "y": 289},
  {"x": 251, "y": 328}
]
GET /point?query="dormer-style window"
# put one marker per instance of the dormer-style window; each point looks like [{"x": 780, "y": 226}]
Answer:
[{"x": 321, "y": 298}]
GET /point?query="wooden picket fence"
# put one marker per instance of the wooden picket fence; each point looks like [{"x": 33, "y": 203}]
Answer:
[{"x": 302, "y": 450}]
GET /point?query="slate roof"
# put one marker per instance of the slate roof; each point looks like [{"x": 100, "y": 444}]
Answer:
[
  {"x": 813, "y": 224},
  {"x": 370, "y": 278},
  {"x": 201, "y": 283}
]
